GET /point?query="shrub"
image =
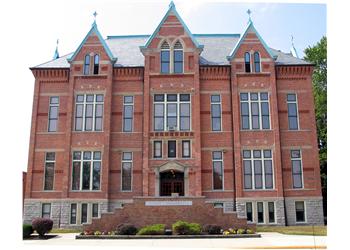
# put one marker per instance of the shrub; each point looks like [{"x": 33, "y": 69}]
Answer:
[
  {"x": 126, "y": 229},
  {"x": 42, "y": 226},
  {"x": 105, "y": 233},
  {"x": 88, "y": 232},
  {"x": 185, "y": 228},
  {"x": 97, "y": 233},
  {"x": 27, "y": 230},
  {"x": 241, "y": 231},
  {"x": 156, "y": 229},
  {"x": 212, "y": 229},
  {"x": 249, "y": 231},
  {"x": 230, "y": 231}
]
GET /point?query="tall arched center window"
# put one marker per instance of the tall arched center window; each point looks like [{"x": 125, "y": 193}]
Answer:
[
  {"x": 165, "y": 58},
  {"x": 257, "y": 62},
  {"x": 247, "y": 62},
  {"x": 96, "y": 64},
  {"x": 87, "y": 65},
  {"x": 178, "y": 58}
]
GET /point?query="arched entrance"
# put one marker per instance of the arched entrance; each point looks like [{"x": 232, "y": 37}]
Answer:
[{"x": 171, "y": 181}]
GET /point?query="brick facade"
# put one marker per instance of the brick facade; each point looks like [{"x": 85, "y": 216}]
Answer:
[{"x": 200, "y": 82}]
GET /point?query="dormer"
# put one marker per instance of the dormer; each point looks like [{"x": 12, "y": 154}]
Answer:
[
  {"x": 93, "y": 56},
  {"x": 171, "y": 49},
  {"x": 251, "y": 54}
]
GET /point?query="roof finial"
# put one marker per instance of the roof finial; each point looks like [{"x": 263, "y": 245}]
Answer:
[
  {"x": 292, "y": 49},
  {"x": 94, "y": 14},
  {"x": 171, "y": 4},
  {"x": 249, "y": 12},
  {"x": 56, "y": 55}
]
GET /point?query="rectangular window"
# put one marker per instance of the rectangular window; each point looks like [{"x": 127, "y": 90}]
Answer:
[
  {"x": 172, "y": 112},
  {"x": 126, "y": 171},
  {"x": 84, "y": 213},
  {"x": 258, "y": 169},
  {"x": 89, "y": 112},
  {"x": 249, "y": 211},
  {"x": 186, "y": 149},
  {"x": 178, "y": 61},
  {"x": 171, "y": 149},
  {"x": 260, "y": 206},
  {"x": 73, "y": 213},
  {"x": 128, "y": 113},
  {"x": 297, "y": 170},
  {"x": 49, "y": 170},
  {"x": 215, "y": 101},
  {"x": 165, "y": 61},
  {"x": 94, "y": 210},
  {"x": 86, "y": 170},
  {"x": 271, "y": 206},
  {"x": 53, "y": 113},
  {"x": 255, "y": 110},
  {"x": 46, "y": 210},
  {"x": 217, "y": 170},
  {"x": 300, "y": 211},
  {"x": 157, "y": 149},
  {"x": 292, "y": 104}
]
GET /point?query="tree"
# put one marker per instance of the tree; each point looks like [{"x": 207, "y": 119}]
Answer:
[{"x": 318, "y": 56}]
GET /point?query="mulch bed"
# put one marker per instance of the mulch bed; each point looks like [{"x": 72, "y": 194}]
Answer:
[{"x": 134, "y": 237}]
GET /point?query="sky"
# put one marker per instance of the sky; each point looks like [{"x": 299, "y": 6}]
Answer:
[{"x": 34, "y": 26}]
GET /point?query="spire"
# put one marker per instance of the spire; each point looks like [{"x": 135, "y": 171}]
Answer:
[
  {"x": 249, "y": 12},
  {"x": 171, "y": 4},
  {"x": 56, "y": 55},
  {"x": 95, "y": 15},
  {"x": 293, "y": 50}
]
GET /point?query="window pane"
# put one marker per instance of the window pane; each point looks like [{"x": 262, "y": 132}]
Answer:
[
  {"x": 265, "y": 108},
  {"x": 94, "y": 210},
  {"x": 265, "y": 122},
  {"x": 255, "y": 108},
  {"x": 50, "y": 156},
  {"x": 217, "y": 155},
  {"x": 80, "y": 98},
  {"x": 84, "y": 208},
  {"x": 267, "y": 154},
  {"x": 172, "y": 97},
  {"x": 97, "y": 155},
  {"x": 254, "y": 96},
  {"x": 52, "y": 125},
  {"x": 86, "y": 175},
  {"x": 264, "y": 96},
  {"x": 96, "y": 175},
  {"x": 53, "y": 112},
  {"x": 245, "y": 122},
  {"x": 244, "y": 108},
  {"x": 185, "y": 97},
  {"x": 300, "y": 211},
  {"x": 296, "y": 166},
  {"x": 89, "y": 98},
  {"x": 215, "y": 98},
  {"x": 295, "y": 153},
  {"x": 158, "y": 98},
  {"x": 297, "y": 181},
  {"x": 128, "y": 111},
  {"x": 76, "y": 155},
  {"x": 246, "y": 154},
  {"x": 216, "y": 123},
  {"x": 73, "y": 214},
  {"x": 291, "y": 97},
  {"x": 217, "y": 172},
  {"x": 257, "y": 153},
  {"x": 171, "y": 122},
  {"x": 157, "y": 149},
  {"x": 159, "y": 124},
  {"x": 185, "y": 109},
  {"x": 126, "y": 176},
  {"x": 89, "y": 110},
  {"x": 178, "y": 55},
  {"x": 268, "y": 181},
  {"x": 178, "y": 67},
  {"x": 171, "y": 149},
  {"x": 54, "y": 100},
  {"x": 128, "y": 99},
  {"x": 268, "y": 166},
  {"x": 98, "y": 124},
  {"x": 172, "y": 109},
  {"x": 49, "y": 175},
  {"x": 292, "y": 109},
  {"x": 258, "y": 174},
  {"x": 99, "y": 98},
  {"x": 260, "y": 206},
  {"x": 79, "y": 110},
  {"x": 159, "y": 109},
  {"x": 249, "y": 209},
  {"x": 165, "y": 56},
  {"x": 216, "y": 110},
  {"x": 184, "y": 123},
  {"x": 271, "y": 206},
  {"x": 244, "y": 96},
  {"x": 76, "y": 176},
  {"x": 127, "y": 127},
  {"x": 99, "y": 110},
  {"x": 127, "y": 156},
  {"x": 87, "y": 155},
  {"x": 293, "y": 122},
  {"x": 88, "y": 124},
  {"x": 186, "y": 149}
]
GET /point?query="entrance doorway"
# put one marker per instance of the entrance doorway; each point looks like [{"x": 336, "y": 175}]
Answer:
[{"x": 171, "y": 181}]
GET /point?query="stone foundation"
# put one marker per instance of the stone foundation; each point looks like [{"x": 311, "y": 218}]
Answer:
[{"x": 313, "y": 211}]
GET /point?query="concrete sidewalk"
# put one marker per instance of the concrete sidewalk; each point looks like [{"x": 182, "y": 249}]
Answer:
[{"x": 267, "y": 241}]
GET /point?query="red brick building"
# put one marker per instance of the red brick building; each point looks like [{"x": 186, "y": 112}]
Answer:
[{"x": 174, "y": 120}]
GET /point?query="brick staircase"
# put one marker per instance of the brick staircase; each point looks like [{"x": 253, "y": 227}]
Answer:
[{"x": 153, "y": 210}]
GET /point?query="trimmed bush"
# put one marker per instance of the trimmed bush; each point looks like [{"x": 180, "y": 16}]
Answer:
[
  {"x": 241, "y": 231},
  {"x": 212, "y": 229},
  {"x": 42, "y": 226},
  {"x": 185, "y": 228},
  {"x": 126, "y": 229},
  {"x": 230, "y": 231},
  {"x": 249, "y": 231},
  {"x": 97, "y": 233},
  {"x": 156, "y": 229},
  {"x": 27, "y": 230}
]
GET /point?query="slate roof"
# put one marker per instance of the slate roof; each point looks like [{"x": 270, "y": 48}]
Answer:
[{"x": 216, "y": 49}]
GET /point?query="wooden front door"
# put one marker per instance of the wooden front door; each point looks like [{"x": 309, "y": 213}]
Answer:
[{"x": 171, "y": 182}]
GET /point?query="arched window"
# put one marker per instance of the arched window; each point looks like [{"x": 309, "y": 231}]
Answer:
[
  {"x": 165, "y": 58},
  {"x": 257, "y": 62},
  {"x": 87, "y": 65},
  {"x": 247, "y": 62},
  {"x": 96, "y": 64},
  {"x": 178, "y": 58}
]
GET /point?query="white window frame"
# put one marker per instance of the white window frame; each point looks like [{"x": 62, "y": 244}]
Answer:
[
  {"x": 190, "y": 148},
  {"x": 165, "y": 108},
  {"x": 81, "y": 213},
  {"x": 176, "y": 149},
  {"x": 42, "y": 208},
  {"x": 161, "y": 149},
  {"x": 301, "y": 167},
  {"x": 246, "y": 211},
  {"x": 297, "y": 107},
  {"x": 131, "y": 171},
  {"x": 305, "y": 212},
  {"x": 92, "y": 210},
  {"x": 268, "y": 212},
  {"x": 212, "y": 169},
  {"x": 259, "y": 101},
  {"x": 259, "y": 61},
  {"x": 76, "y": 213},
  {"x": 251, "y": 159},
  {"x": 58, "y": 112},
  {"x": 133, "y": 110},
  {"x": 211, "y": 113},
  {"x": 81, "y": 161},
  {"x": 49, "y": 161},
  {"x": 257, "y": 212},
  {"x": 84, "y": 103},
  {"x": 250, "y": 62},
  {"x": 172, "y": 62}
]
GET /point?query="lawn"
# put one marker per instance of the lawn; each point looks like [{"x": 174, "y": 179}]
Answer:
[
  {"x": 295, "y": 230},
  {"x": 64, "y": 231}
]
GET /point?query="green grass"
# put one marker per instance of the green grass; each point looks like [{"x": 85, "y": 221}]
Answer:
[
  {"x": 64, "y": 231},
  {"x": 295, "y": 230}
]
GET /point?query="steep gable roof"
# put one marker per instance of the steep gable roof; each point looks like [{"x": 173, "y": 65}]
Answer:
[
  {"x": 172, "y": 9},
  {"x": 250, "y": 29},
  {"x": 95, "y": 30}
]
